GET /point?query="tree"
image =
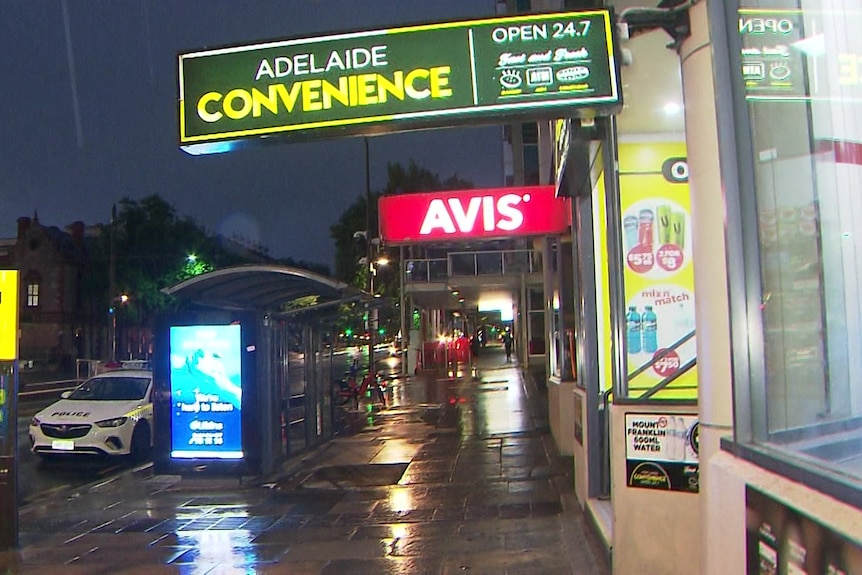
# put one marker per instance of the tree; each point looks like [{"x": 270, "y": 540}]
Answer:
[
  {"x": 147, "y": 247},
  {"x": 349, "y": 249},
  {"x": 401, "y": 180}
]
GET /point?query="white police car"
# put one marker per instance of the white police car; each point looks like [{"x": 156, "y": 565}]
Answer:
[{"x": 109, "y": 414}]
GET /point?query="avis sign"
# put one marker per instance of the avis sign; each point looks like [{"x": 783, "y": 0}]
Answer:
[{"x": 472, "y": 214}]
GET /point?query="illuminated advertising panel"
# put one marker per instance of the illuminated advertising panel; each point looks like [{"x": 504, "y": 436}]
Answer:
[
  {"x": 206, "y": 392},
  {"x": 399, "y": 78},
  {"x": 658, "y": 269},
  {"x": 8, "y": 314},
  {"x": 472, "y": 214}
]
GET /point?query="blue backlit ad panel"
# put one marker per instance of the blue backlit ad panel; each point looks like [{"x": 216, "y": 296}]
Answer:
[{"x": 206, "y": 392}]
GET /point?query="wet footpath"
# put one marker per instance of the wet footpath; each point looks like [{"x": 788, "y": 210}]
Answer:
[{"x": 454, "y": 475}]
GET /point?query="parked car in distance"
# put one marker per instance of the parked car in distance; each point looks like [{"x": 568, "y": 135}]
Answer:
[{"x": 108, "y": 414}]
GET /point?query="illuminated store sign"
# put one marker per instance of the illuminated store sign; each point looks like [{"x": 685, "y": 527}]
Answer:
[
  {"x": 477, "y": 214},
  {"x": 206, "y": 392},
  {"x": 399, "y": 79}
]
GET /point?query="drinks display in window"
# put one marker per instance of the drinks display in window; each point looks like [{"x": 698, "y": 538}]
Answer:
[
  {"x": 649, "y": 328},
  {"x": 633, "y": 330}
]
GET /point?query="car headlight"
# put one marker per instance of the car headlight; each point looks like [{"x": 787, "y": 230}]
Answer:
[
  {"x": 113, "y": 422},
  {"x": 35, "y": 422}
]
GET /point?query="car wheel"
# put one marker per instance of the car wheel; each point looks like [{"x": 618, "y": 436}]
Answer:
[{"x": 140, "y": 447}]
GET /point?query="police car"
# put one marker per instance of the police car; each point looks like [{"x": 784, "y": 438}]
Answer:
[{"x": 109, "y": 414}]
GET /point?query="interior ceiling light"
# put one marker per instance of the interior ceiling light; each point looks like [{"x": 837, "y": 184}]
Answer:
[{"x": 672, "y": 108}]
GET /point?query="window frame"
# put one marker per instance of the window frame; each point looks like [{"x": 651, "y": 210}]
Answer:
[
  {"x": 751, "y": 438},
  {"x": 33, "y": 295}
]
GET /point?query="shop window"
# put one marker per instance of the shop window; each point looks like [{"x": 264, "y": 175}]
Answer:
[
  {"x": 531, "y": 165},
  {"x": 537, "y": 333},
  {"x": 804, "y": 95},
  {"x": 530, "y": 134},
  {"x": 530, "y": 152},
  {"x": 536, "y": 311}
]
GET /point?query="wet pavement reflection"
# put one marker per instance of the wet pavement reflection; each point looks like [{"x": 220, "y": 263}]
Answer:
[{"x": 456, "y": 474}]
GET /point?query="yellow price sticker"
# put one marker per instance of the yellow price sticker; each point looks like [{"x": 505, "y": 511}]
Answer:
[{"x": 2, "y": 397}]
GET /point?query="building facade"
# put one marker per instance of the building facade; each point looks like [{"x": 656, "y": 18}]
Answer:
[
  {"x": 739, "y": 452},
  {"x": 55, "y": 320}
]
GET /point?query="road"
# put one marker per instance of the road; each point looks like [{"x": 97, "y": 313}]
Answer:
[{"x": 37, "y": 478}]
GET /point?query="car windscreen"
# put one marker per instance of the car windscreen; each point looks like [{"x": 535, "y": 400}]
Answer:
[{"x": 115, "y": 388}]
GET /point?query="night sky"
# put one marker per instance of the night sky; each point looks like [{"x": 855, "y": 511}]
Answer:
[{"x": 88, "y": 106}]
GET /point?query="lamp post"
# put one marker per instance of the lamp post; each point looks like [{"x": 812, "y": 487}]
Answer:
[
  {"x": 373, "y": 266},
  {"x": 368, "y": 254},
  {"x": 122, "y": 298}
]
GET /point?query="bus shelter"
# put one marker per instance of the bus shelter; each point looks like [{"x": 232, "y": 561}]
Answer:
[{"x": 242, "y": 374}]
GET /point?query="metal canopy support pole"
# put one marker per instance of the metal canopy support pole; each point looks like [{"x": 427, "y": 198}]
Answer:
[
  {"x": 586, "y": 317},
  {"x": 616, "y": 283},
  {"x": 616, "y": 294}
]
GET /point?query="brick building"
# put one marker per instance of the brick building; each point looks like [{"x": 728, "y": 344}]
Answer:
[{"x": 57, "y": 322}]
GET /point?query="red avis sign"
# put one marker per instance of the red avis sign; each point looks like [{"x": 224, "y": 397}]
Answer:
[{"x": 463, "y": 214}]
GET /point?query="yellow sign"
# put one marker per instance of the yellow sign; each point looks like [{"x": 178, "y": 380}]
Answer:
[
  {"x": 8, "y": 314},
  {"x": 658, "y": 269}
]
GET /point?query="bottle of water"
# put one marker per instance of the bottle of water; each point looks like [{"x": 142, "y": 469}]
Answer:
[
  {"x": 633, "y": 330},
  {"x": 649, "y": 328}
]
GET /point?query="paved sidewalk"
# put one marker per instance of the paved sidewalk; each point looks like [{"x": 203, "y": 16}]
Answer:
[{"x": 455, "y": 476}]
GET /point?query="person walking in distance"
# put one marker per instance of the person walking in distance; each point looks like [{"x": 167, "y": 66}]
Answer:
[{"x": 507, "y": 343}]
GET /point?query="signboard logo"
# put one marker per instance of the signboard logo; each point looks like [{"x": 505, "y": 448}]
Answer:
[
  {"x": 452, "y": 216},
  {"x": 489, "y": 213},
  {"x": 573, "y": 74},
  {"x": 675, "y": 170}
]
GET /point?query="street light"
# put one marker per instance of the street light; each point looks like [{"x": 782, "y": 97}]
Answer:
[
  {"x": 121, "y": 299},
  {"x": 373, "y": 265}
]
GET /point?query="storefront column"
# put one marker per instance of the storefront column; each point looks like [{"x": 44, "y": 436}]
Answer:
[{"x": 708, "y": 235}]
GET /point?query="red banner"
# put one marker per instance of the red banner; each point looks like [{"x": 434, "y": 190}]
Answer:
[{"x": 472, "y": 214}]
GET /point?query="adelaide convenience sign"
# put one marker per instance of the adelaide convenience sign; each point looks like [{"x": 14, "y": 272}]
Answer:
[
  {"x": 485, "y": 214},
  {"x": 399, "y": 79}
]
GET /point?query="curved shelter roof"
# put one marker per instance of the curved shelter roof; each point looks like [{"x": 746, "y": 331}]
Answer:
[{"x": 262, "y": 287}]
